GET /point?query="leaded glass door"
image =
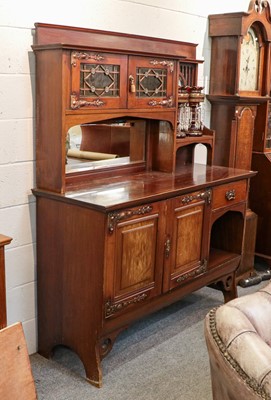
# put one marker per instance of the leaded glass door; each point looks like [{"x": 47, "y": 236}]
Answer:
[
  {"x": 151, "y": 82},
  {"x": 98, "y": 80}
]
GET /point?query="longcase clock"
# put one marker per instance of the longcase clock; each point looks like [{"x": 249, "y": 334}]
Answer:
[{"x": 239, "y": 92}]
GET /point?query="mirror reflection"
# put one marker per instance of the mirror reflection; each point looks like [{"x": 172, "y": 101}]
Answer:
[{"x": 102, "y": 145}]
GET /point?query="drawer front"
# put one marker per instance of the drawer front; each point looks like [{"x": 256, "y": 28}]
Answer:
[{"x": 231, "y": 193}]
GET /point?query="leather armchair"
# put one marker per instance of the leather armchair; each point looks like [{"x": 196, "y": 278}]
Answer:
[{"x": 238, "y": 338}]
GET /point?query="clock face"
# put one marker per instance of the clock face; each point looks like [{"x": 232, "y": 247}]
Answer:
[{"x": 249, "y": 63}]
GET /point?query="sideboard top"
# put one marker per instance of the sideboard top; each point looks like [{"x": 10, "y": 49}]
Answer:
[
  {"x": 49, "y": 35},
  {"x": 114, "y": 193}
]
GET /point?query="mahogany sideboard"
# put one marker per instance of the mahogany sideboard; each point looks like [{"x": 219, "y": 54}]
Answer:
[{"x": 123, "y": 235}]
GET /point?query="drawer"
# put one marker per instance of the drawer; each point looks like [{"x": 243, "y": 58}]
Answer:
[
  {"x": 195, "y": 197},
  {"x": 231, "y": 193}
]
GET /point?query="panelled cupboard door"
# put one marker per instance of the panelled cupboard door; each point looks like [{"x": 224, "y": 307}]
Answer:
[
  {"x": 185, "y": 257},
  {"x": 151, "y": 82},
  {"x": 134, "y": 257},
  {"x": 98, "y": 80}
]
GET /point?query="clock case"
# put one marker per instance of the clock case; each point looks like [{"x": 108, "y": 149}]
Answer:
[
  {"x": 240, "y": 119},
  {"x": 228, "y": 32}
]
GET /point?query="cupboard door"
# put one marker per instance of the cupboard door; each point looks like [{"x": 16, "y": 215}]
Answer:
[
  {"x": 151, "y": 82},
  {"x": 134, "y": 259},
  {"x": 242, "y": 136},
  {"x": 185, "y": 255},
  {"x": 98, "y": 80}
]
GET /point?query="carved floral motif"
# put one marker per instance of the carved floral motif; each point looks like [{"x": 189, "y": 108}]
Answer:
[
  {"x": 78, "y": 55},
  {"x": 115, "y": 217},
  {"x": 111, "y": 309}
]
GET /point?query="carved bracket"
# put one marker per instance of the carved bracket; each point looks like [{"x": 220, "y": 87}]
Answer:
[
  {"x": 111, "y": 309},
  {"x": 75, "y": 103},
  {"x": 78, "y": 55},
  {"x": 115, "y": 217},
  {"x": 168, "y": 102},
  {"x": 207, "y": 196},
  {"x": 200, "y": 270},
  {"x": 258, "y": 5},
  {"x": 166, "y": 63}
]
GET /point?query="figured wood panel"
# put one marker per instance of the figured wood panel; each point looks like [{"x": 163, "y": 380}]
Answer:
[
  {"x": 244, "y": 140},
  {"x": 16, "y": 379},
  {"x": 188, "y": 225},
  {"x": 135, "y": 261},
  {"x": 186, "y": 253},
  {"x": 189, "y": 233}
]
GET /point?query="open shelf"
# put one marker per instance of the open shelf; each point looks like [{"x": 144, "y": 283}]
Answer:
[{"x": 219, "y": 257}]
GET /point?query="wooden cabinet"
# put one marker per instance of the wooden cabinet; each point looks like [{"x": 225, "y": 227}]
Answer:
[
  {"x": 138, "y": 224},
  {"x": 260, "y": 195},
  {"x": 129, "y": 247},
  {"x": 101, "y": 80}
]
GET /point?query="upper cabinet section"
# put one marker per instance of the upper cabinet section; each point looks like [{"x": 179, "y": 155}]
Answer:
[
  {"x": 107, "y": 103},
  {"x": 103, "y": 80}
]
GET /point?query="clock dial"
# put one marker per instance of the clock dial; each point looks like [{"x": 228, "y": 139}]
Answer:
[{"x": 249, "y": 63}]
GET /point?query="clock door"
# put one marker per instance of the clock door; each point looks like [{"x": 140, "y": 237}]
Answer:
[{"x": 251, "y": 55}]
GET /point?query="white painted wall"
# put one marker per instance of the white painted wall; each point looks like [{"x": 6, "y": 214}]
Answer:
[{"x": 173, "y": 19}]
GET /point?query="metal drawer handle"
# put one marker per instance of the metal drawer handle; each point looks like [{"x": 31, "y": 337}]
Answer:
[
  {"x": 230, "y": 194},
  {"x": 166, "y": 103}
]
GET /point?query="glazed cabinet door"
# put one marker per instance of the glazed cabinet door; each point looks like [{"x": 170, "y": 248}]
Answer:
[
  {"x": 186, "y": 247},
  {"x": 151, "y": 83},
  {"x": 98, "y": 80},
  {"x": 134, "y": 257}
]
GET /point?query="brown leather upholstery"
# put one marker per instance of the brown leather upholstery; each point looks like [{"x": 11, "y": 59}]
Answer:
[{"x": 238, "y": 337}]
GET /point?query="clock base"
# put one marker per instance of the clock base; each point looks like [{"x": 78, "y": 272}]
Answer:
[
  {"x": 250, "y": 281},
  {"x": 261, "y": 273}
]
